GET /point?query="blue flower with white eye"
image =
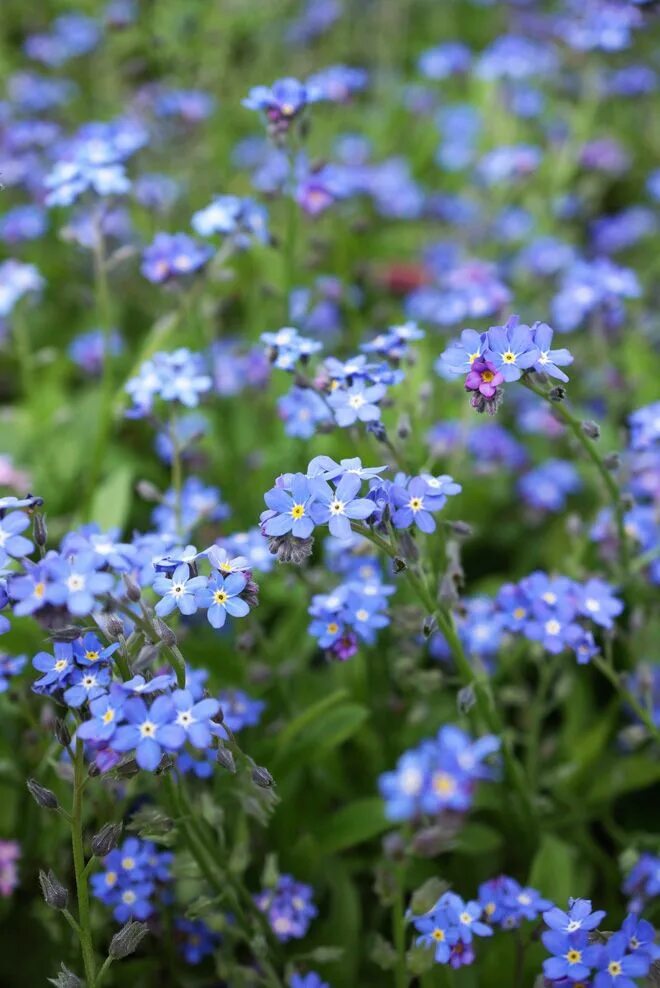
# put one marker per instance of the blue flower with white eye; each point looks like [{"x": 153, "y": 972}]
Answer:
[
  {"x": 578, "y": 917},
  {"x": 596, "y": 601},
  {"x": 290, "y": 512},
  {"x": 55, "y": 668},
  {"x": 221, "y": 596},
  {"x": 194, "y": 718},
  {"x": 328, "y": 469},
  {"x": 149, "y": 730},
  {"x": 357, "y": 403},
  {"x": 284, "y": 100},
  {"x": 337, "y": 508},
  {"x": 511, "y": 349},
  {"x": 12, "y": 543},
  {"x": 178, "y": 592},
  {"x": 139, "y": 686},
  {"x": 549, "y": 361},
  {"x": 466, "y": 916},
  {"x": 86, "y": 684},
  {"x": 81, "y": 582}
]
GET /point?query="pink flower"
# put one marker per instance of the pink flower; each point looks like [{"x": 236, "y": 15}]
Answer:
[{"x": 484, "y": 378}]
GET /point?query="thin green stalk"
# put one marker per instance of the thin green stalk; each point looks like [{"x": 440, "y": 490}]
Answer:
[
  {"x": 102, "y": 293},
  {"x": 23, "y": 351},
  {"x": 82, "y": 892},
  {"x": 537, "y": 711},
  {"x": 399, "y": 931},
  {"x": 177, "y": 473},
  {"x": 613, "y": 676},
  {"x": 104, "y": 970},
  {"x": 614, "y": 494}
]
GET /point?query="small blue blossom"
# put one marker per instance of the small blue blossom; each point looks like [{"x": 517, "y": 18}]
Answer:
[
  {"x": 181, "y": 591},
  {"x": 220, "y": 595},
  {"x": 173, "y": 256},
  {"x": 290, "y": 509},
  {"x": 511, "y": 349},
  {"x": 86, "y": 684},
  {"x": 56, "y": 668},
  {"x": 338, "y": 507},
  {"x": 195, "y": 940},
  {"x": 12, "y": 543},
  {"x": 358, "y": 402},
  {"x": 572, "y": 958},
  {"x": 149, "y": 730}
]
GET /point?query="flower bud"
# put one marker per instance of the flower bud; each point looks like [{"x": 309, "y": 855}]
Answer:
[
  {"x": 164, "y": 632},
  {"x": 62, "y": 733},
  {"x": 557, "y": 394},
  {"x": 127, "y": 940},
  {"x": 114, "y": 626},
  {"x": 627, "y": 502},
  {"x": 377, "y": 429},
  {"x": 262, "y": 777},
  {"x": 403, "y": 428},
  {"x": 612, "y": 461},
  {"x": 148, "y": 491},
  {"x": 289, "y": 549},
  {"x": 39, "y": 530},
  {"x": 398, "y": 564},
  {"x": 44, "y": 797},
  {"x": 460, "y": 528},
  {"x": 591, "y": 429},
  {"x": 66, "y": 979},
  {"x": 106, "y": 839},
  {"x": 55, "y": 894},
  {"x": 394, "y": 846},
  {"x": 430, "y": 625},
  {"x": 66, "y": 634},
  {"x": 132, "y": 590},
  {"x": 226, "y": 759},
  {"x": 466, "y": 699}
]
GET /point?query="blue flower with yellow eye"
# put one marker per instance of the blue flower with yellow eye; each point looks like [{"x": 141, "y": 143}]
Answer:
[
  {"x": 289, "y": 508},
  {"x": 106, "y": 714},
  {"x": 56, "y": 668},
  {"x": 88, "y": 650},
  {"x": 221, "y": 597}
]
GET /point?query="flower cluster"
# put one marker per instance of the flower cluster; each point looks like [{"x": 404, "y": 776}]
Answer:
[
  {"x": 501, "y": 355},
  {"x": 450, "y": 927},
  {"x": 438, "y": 776},
  {"x": 179, "y": 376},
  {"x": 133, "y": 878},
  {"x": 353, "y": 611},
  {"x": 288, "y": 906}
]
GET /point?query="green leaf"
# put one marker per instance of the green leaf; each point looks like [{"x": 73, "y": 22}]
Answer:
[
  {"x": 553, "y": 869},
  {"x": 624, "y": 775},
  {"x": 326, "y": 732},
  {"x": 297, "y": 726},
  {"x": 478, "y": 838},
  {"x": 113, "y": 498},
  {"x": 353, "y": 824}
]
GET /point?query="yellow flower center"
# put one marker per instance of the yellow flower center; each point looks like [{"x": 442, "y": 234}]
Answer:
[
  {"x": 128, "y": 863},
  {"x": 574, "y": 957},
  {"x": 108, "y": 716},
  {"x": 332, "y": 628},
  {"x": 438, "y": 935},
  {"x": 443, "y": 784},
  {"x": 91, "y": 656},
  {"x": 298, "y": 511},
  {"x": 39, "y": 590},
  {"x": 416, "y": 503},
  {"x": 220, "y": 597},
  {"x": 473, "y": 356},
  {"x": 519, "y": 613},
  {"x": 487, "y": 376},
  {"x": 111, "y": 878},
  {"x": 60, "y": 665},
  {"x": 509, "y": 357},
  {"x": 614, "y": 968}
]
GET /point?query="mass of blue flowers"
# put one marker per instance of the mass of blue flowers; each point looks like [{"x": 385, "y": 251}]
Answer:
[{"x": 329, "y": 494}]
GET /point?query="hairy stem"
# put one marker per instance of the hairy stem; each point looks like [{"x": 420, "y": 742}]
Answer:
[{"x": 82, "y": 892}]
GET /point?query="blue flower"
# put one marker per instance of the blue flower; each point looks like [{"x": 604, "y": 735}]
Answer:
[
  {"x": 290, "y": 512},
  {"x": 309, "y": 980},
  {"x": 56, "y": 668},
  {"x": 338, "y": 507},
  {"x": 511, "y": 349},
  {"x": 106, "y": 713},
  {"x": 466, "y": 916},
  {"x": 359, "y": 402},
  {"x": 301, "y": 410},
  {"x": 194, "y": 718},
  {"x": 289, "y": 907},
  {"x": 414, "y": 502},
  {"x": 616, "y": 968},
  {"x": 88, "y": 650},
  {"x": 81, "y": 582},
  {"x": 221, "y": 596},
  {"x": 549, "y": 361},
  {"x": 578, "y": 917},
  {"x": 140, "y": 686},
  {"x": 86, "y": 684},
  {"x": 641, "y": 937},
  {"x": 195, "y": 940},
  {"x": 172, "y": 255},
  {"x": 282, "y": 101},
  {"x": 35, "y": 588},
  {"x": 179, "y": 592},
  {"x": 596, "y": 601},
  {"x": 572, "y": 958},
  {"x": 149, "y": 731},
  {"x": 326, "y": 467},
  {"x": 240, "y": 710},
  {"x": 436, "y": 930},
  {"x": 10, "y": 665},
  {"x": 12, "y": 543}
]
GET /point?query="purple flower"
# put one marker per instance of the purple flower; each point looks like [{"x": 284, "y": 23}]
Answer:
[
  {"x": 484, "y": 378},
  {"x": 180, "y": 591},
  {"x": 338, "y": 507},
  {"x": 291, "y": 511},
  {"x": 357, "y": 402},
  {"x": 511, "y": 348},
  {"x": 221, "y": 596},
  {"x": 282, "y": 101},
  {"x": 149, "y": 731}
]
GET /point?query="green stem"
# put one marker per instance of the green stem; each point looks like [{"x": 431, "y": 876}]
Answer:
[
  {"x": 399, "y": 931},
  {"x": 614, "y": 494},
  {"x": 82, "y": 892},
  {"x": 536, "y": 717},
  {"x": 177, "y": 474},
  {"x": 613, "y": 676},
  {"x": 104, "y": 970},
  {"x": 23, "y": 350},
  {"x": 102, "y": 293}
]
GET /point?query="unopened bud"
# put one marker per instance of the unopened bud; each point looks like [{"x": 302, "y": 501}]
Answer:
[
  {"x": 466, "y": 699},
  {"x": 557, "y": 394},
  {"x": 612, "y": 461},
  {"x": 290, "y": 549},
  {"x": 127, "y": 940},
  {"x": 394, "y": 846},
  {"x": 106, "y": 839},
  {"x": 460, "y": 528},
  {"x": 398, "y": 564},
  {"x": 377, "y": 429},
  {"x": 132, "y": 590},
  {"x": 62, "y": 733},
  {"x": 262, "y": 777},
  {"x": 430, "y": 625},
  {"x": 114, "y": 626},
  {"x": 627, "y": 502},
  {"x": 66, "y": 634},
  {"x": 66, "y": 979},
  {"x": 39, "y": 530},
  {"x": 403, "y": 428},
  {"x": 44, "y": 797},
  {"x": 164, "y": 632},
  {"x": 226, "y": 759},
  {"x": 55, "y": 894},
  {"x": 147, "y": 490},
  {"x": 591, "y": 429}
]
